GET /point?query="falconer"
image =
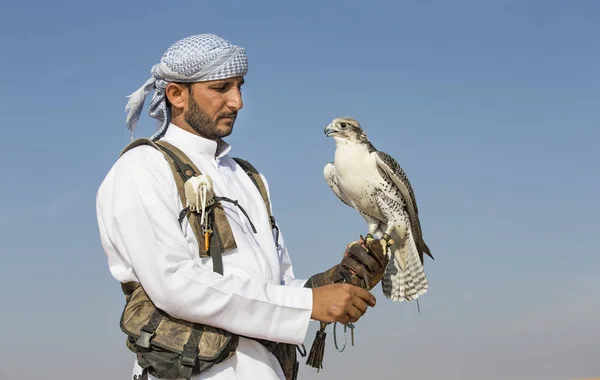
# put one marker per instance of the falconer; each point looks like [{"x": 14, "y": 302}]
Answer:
[{"x": 254, "y": 300}]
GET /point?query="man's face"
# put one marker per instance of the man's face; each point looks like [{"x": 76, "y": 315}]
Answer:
[{"x": 212, "y": 107}]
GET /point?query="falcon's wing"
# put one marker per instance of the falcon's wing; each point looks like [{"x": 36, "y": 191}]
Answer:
[
  {"x": 331, "y": 179},
  {"x": 391, "y": 167},
  {"x": 393, "y": 170}
]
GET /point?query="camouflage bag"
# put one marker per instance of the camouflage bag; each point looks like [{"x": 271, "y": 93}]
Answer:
[{"x": 170, "y": 348}]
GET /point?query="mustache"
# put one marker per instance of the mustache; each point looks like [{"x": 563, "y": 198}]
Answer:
[{"x": 232, "y": 115}]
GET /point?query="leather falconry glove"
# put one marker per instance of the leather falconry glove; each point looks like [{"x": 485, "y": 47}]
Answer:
[{"x": 362, "y": 265}]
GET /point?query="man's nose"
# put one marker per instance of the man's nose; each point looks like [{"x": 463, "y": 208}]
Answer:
[{"x": 235, "y": 102}]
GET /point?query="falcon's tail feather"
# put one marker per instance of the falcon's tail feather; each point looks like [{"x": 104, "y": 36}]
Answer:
[{"x": 409, "y": 283}]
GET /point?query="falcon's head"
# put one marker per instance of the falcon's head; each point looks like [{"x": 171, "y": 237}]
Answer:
[{"x": 346, "y": 129}]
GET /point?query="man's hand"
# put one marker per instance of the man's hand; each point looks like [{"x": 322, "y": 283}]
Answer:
[{"x": 343, "y": 303}]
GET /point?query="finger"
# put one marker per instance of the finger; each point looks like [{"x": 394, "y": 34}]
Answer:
[
  {"x": 353, "y": 313},
  {"x": 365, "y": 295},
  {"x": 360, "y": 305},
  {"x": 346, "y": 253},
  {"x": 376, "y": 250},
  {"x": 356, "y": 266},
  {"x": 365, "y": 258},
  {"x": 344, "y": 320}
]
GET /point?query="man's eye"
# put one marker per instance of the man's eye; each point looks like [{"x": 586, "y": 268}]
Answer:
[{"x": 220, "y": 88}]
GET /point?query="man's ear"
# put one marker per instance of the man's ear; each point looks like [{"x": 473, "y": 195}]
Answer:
[{"x": 177, "y": 94}]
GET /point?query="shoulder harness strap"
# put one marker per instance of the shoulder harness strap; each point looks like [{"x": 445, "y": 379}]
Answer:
[
  {"x": 183, "y": 169},
  {"x": 256, "y": 178}
]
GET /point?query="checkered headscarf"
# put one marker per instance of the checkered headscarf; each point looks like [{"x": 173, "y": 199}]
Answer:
[{"x": 197, "y": 58}]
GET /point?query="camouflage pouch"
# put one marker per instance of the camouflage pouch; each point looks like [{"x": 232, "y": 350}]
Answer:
[{"x": 170, "y": 348}]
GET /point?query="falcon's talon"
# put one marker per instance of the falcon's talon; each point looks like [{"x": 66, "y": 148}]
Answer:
[{"x": 388, "y": 239}]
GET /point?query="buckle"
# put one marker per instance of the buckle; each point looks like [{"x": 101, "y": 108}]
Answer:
[
  {"x": 146, "y": 334},
  {"x": 188, "y": 361},
  {"x": 189, "y": 354}
]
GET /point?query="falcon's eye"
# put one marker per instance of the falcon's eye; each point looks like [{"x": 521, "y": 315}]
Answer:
[{"x": 343, "y": 125}]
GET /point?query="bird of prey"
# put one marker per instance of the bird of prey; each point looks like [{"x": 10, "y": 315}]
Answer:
[{"x": 374, "y": 184}]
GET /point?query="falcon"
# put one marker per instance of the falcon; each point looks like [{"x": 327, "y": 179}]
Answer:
[{"x": 373, "y": 183}]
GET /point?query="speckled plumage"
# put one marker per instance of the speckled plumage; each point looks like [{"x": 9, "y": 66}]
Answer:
[{"x": 374, "y": 184}]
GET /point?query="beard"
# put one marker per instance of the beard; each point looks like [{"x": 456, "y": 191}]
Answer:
[{"x": 203, "y": 125}]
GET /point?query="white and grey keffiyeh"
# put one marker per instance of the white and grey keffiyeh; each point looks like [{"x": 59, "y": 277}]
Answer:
[{"x": 197, "y": 58}]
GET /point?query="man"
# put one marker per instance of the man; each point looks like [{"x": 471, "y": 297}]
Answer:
[{"x": 196, "y": 99}]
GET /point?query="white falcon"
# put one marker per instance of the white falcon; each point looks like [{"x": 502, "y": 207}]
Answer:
[{"x": 375, "y": 185}]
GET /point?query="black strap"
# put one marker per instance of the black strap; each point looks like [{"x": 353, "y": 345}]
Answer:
[
  {"x": 295, "y": 373},
  {"x": 217, "y": 260},
  {"x": 301, "y": 351},
  {"x": 274, "y": 227},
  {"x": 143, "y": 376},
  {"x": 183, "y": 214},
  {"x": 148, "y": 330},
  {"x": 181, "y": 167},
  {"x": 215, "y": 244},
  {"x": 189, "y": 356},
  {"x": 237, "y": 204}
]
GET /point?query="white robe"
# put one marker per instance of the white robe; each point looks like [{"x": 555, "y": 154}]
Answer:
[{"x": 258, "y": 295}]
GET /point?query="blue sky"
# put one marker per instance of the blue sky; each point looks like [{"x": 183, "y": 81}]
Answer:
[{"x": 491, "y": 107}]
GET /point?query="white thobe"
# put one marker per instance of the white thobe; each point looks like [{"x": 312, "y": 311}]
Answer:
[{"x": 258, "y": 296}]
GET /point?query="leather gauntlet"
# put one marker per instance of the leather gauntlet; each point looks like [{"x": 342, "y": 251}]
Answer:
[{"x": 363, "y": 265}]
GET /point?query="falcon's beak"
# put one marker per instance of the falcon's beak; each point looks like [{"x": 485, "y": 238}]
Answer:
[{"x": 330, "y": 129}]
